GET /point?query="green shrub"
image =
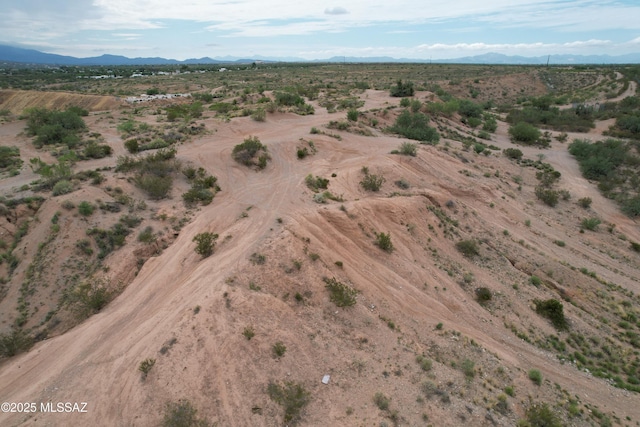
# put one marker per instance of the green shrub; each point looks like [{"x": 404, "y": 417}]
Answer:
[
  {"x": 371, "y": 182},
  {"x": 62, "y": 187},
  {"x": 156, "y": 187},
  {"x": 590, "y": 224},
  {"x": 85, "y": 208},
  {"x": 553, "y": 310},
  {"x": 14, "y": 342},
  {"x": 415, "y": 126},
  {"x": 340, "y": 294},
  {"x": 425, "y": 364},
  {"x": 535, "y": 376},
  {"x": 483, "y": 295},
  {"x": 146, "y": 235},
  {"x": 259, "y": 115},
  {"x": 205, "y": 242},
  {"x": 535, "y": 281},
  {"x": 543, "y": 416},
  {"x": 635, "y": 246},
  {"x": 90, "y": 297},
  {"x": 182, "y": 414},
  {"x": 381, "y": 401},
  {"x": 316, "y": 183},
  {"x": 248, "y": 333},
  {"x": 402, "y": 90},
  {"x": 547, "y": 195},
  {"x": 585, "y": 202},
  {"x": 145, "y": 367},
  {"x": 292, "y": 397},
  {"x": 468, "y": 368},
  {"x": 97, "y": 151},
  {"x": 408, "y": 149},
  {"x": 247, "y": 152},
  {"x": 468, "y": 248},
  {"x": 513, "y": 153},
  {"x": 527, "y": 134},
  {"x": 352, "y": 115},
  {"x": 279, "y": 349},
  {"x": 10, "y": 158},
  {"x": 383, "y": 241}
]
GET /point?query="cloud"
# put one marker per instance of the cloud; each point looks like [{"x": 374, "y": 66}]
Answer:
[{"x": 336, "y": 11}]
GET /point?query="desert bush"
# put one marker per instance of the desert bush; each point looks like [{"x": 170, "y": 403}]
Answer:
[
  {"x": 89, "y": 297},
  {"x": 547, "y": 195},
  {"x": 279, "y": 349},
  {"x": 62, "y": 187},
  {"x": 54, "y": 127},
  {"x": 425, "y": 363},
  {"x": 146, "y": 235},
  {"x": 590, "y": 224},
  {"x": 205, "y": 242},
  {"x": 402, "y": 90},
  {"x": 246, "y": 153},
  {"x": 383, "y": 241},
  {"x": 182, "y": 414},
  {"x": 407, "y": 149},
  {"x": 483, "y": 295},
  {"x": 535, "y": 281},
  {"x": 288, "y": 99},
  {"x": 352, "y": 115},
  {"x": 381, "y": 401},
  {"x": 14, "y": 342},
  {"x": 10, "y": 158},
  {"x": 316, "y": 183},
  {"x": 513, "y": 153},
  {"x": 468, "y": 368},
  {"x": 535, "y": 376},
  {"x": 553, "y": 310},
  {"x": 156, "y": 187},
  {"x": 145, "y": 367},
  {"x": 259, "y": 115},
  {"x": 635, "y": 246},
  {"x": 94, "y": 150},
  {"x": 85, "y": 208},
  {"x": 371, "y": 182},
  {"x": 292, "y": 397},
  {"x": 585, "y": 202},
  {"x": 415, "y": 126},
  {"x": 542, "y": 416},
  {"x": 84, "y": 246},
  {"x": 403, "y": 183},
  {"x": 527, "y": 134},
  {"x": 248, "y": 333},
  {"x": 340, "y": 294},
  {"x": 468, "y": 248}
]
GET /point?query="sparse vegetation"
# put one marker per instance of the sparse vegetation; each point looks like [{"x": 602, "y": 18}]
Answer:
[
  {"x": 293, "y": 397},
  {"x": 145, "y": 367},
  {"x": 340, "y": 294},
  {"x": 371, "y": 182},
  {"x": 251, "y": 153},
  {"x": 383, "y": 241},
  {"x": 182, "y": 414},
  {"x": 205, "y": 242},
  {"x": 535, "y": 376},
  {"x": 468, "y": 248}
]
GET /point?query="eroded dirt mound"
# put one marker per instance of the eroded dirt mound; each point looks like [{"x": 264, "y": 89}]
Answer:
[{"x": 17, "y": 101}]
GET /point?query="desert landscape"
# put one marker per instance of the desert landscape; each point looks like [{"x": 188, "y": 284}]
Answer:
[{"x": 326, "y": 244}]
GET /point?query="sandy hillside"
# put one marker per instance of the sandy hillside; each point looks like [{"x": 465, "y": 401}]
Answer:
[{"x": 275, "y": 248}]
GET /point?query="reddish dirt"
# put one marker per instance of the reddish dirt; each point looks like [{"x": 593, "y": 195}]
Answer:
[{"x": 271, "y": 212}]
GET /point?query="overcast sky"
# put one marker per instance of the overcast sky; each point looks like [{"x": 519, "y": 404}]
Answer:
[{"x": 420, "y": 29}]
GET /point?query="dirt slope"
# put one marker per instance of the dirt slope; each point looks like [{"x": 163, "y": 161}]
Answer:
[
  {"x": 17, "y": 101},
  {"x": 205, "y": 304}
]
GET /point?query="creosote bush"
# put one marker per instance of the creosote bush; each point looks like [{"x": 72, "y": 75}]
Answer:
[
  {"x": 553, "y": 310},
  {"x": 340, "y": 294},
  {"x": 468, "y": 248},
  {"x": 251, "y": 153},
  {"x": 182, "y": 414},
  {"x": 371, "y": 182},
  {"x": 205, "y": 242},
  {"x": 292, "y": 397},
  {"x": 383, "y": 241},
  {"x": 535, "y": 376}
]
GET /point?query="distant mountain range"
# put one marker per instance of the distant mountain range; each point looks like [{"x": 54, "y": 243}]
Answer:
[{"x": 35, "y": 57}]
